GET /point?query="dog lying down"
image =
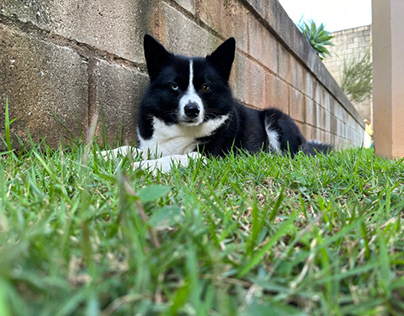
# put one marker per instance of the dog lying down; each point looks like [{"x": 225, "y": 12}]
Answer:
[{"x": 188, "y": 109}]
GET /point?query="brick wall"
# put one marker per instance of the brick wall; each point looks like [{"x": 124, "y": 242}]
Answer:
[
  {"x": 72, "y": 58},
  {"x": 350, "y": 44}
]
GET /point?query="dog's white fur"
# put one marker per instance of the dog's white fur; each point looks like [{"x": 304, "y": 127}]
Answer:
[
  {"x": 191, "y": 96},
  {"x": 162, "y": 164},
  {"x": 177, "y": 139}
]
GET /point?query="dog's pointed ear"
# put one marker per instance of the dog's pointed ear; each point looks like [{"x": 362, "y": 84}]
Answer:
[
  {"x": 222, "y": 58},
  {"x": 156, "y": 55}
]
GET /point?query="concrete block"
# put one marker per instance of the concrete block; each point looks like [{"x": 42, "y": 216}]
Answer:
[
  {"x": 334, "y": 125},
  {"x": 256, "y": 86},
  {"x": 340, "y": 128},
  {"x": 296, "y": 105},
  {"x": 315, "y": 134},
  {"x": 333, "y": 138},
  {"x": 248, "y": 82},
  {"x": 320, "y": 116},
  {"x": 328, "y": 138},
  {"x": 115, "y": 27},
  {"x": 39, "y": 78},
  {"x": 346, "y": 131},
  {"x": 327, "y": 121},
  {"x": 338, "y": 111},
  {"x": 286, "y": 64},
  {"x": 322, "y": 136},
  {"x": 334, "y": 103},
  {"x": 227, "y": 18},
  {"x": 117, "y": 92},
  {"x": 238, "y": 78},
  {"x": 339, "y": 141},
  {"x": 319, "y": 93},
  {"x": 181, "y": 35},
  {"x": 311, "y": 113},
  {"x": 345, "y": 115},
  {"x": 298, "y": 76},
  {"x": 309, "y": 84},
  {"x": 309, "y": 131},
  {"x": 276, "y": 93},
  {"x": 262, "y": 44},
  {"x": 327, "y": 101},
  {"x": 303, "y": 128}
]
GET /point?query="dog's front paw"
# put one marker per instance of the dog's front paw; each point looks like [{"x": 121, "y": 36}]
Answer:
[
  {"x": 123, "y": 151},
  {"x": 153, "y": 166},
  {"x": 164, "y": 164}
]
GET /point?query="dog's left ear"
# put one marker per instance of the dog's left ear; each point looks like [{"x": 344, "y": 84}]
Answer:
[{"x": 222, "y": 58}]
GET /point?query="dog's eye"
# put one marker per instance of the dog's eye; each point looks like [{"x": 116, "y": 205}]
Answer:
[
  {"x": 205, "y": 88},
  {"x": 174, "y": 86}
]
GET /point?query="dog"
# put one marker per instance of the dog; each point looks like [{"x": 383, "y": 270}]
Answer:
[{"x": 188, "y": 111}]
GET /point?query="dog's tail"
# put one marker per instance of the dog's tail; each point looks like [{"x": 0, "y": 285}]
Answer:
[{"x": 314, "y": 147}]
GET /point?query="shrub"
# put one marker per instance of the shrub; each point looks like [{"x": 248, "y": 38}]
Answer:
[
  {"x": 318, "y": 37},
  {"x": 356, "y": 78}
]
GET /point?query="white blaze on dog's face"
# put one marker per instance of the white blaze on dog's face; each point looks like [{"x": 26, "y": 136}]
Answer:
[{"x": 191, "y": 108}]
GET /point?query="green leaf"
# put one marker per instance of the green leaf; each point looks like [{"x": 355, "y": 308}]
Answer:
[
  {"x": 328, "y": 43},
  {"x": 152, "y": 193},
  {"x": 4, "y": 301},
  {"x": 384, "y": 264},
  {"x": 324, "y": 39},
  {"x": 166, "y": 217},
  {"x": 264, "y": 308},
  {"x": 179, "y": 299}
]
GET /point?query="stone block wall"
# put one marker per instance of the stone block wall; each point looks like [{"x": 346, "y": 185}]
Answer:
[
  {"x": 350, "y": 44},
  {"x": 71, "y": 59}
]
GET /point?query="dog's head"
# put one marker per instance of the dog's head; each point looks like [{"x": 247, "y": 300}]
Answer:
[{"x": 188, "y": 91}]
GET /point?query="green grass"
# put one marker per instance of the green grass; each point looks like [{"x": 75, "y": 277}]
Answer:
[{"x": 245, "y": 235}]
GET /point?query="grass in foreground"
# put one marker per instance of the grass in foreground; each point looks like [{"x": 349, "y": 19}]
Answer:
[{"x": 246, "y": 235}]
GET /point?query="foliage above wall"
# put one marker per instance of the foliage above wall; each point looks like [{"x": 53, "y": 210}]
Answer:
[
  {"x": 356, "y": 78},
  {"x": 318, "y": 37}
]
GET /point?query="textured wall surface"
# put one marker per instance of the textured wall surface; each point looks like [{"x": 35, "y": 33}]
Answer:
[
  {"x": 350, "y": 44},
  {"x": 71, "y": 59}
]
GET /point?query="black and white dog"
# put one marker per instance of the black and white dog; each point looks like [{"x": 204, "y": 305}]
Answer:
[{"x": 188, "y": 110}]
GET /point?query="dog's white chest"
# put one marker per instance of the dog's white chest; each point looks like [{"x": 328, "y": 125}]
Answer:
[{"x": 177, "y": 139}]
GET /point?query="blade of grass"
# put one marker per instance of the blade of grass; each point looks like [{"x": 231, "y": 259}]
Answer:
[
  {"x": 7, "y": 127},
  {"x": 253, "y": 261}
]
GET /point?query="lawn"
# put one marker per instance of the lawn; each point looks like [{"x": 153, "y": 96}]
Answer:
[{"x": 244, "y": 235}]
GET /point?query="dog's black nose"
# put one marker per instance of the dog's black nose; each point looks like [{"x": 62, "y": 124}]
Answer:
[{"x": 192, "y": 110}]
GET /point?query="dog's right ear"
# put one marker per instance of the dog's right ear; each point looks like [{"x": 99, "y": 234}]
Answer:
[{"x": 156, "y": 55}]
